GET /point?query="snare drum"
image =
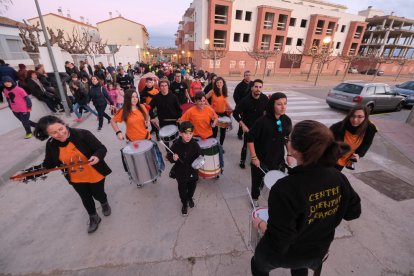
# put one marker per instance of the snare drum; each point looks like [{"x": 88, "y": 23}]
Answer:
[
  {"x": 141, "y": 161},
  {"x": 270, "y": 178},
  {"x": 198, "y": 163},
  {"x": 225, "y": 122},
  {"x": 210, "y": 150},
  {"x": 168, "y": 133},
  {"x": 255, "y": 234}
]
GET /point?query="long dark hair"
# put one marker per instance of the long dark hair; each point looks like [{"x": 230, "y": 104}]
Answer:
[
  {"x": 40, "y": 131},
  {"x": 217, "y": 90},
  {"x": 360, "y": 130},
  {"x": 127, "y": 107},
  {"x": 317, "y": 144}
]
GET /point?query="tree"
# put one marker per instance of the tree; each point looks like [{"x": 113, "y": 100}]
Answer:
[
  {"x": 313, "y": 52},
  {"x": 266, "y": 54},
  {"x": 254, "y": 54},
  {"x": 214, "y": 53},
  {"x": 402, "y": 61},
  {"x": 293, "y": 58},
  {"x": 348, "y": 60},
  {"x": 324, "y": 57},
  {"x": 380, "y": 60}
]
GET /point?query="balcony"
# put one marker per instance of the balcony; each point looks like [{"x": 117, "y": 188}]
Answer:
[
  {"x": 220, "y": 19},
  {"x": 329, "y": 31},
  {"x": 278, "y": 45},
  {"x": 219, "y": 42},
  {"x": 265, "y": 45},
  {"x": 357, "y": 35},
  {"x": 220, "y": 14},
  {"x": 318, "y": 30},
  {"x": 352, "y": 52},
  {"x": 268, "y": 24},
  {"x": 281, "y": 26}
]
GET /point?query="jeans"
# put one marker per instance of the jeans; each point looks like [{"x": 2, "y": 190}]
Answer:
[
  {"x": 102, "y": 114},
  {"x": 90, "y": 191},
  {"x": 24, "y": 117},
  {"x": 76, "y": 107}
]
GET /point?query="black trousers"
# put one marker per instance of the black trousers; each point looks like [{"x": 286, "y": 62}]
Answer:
[
  {"x": 101, "y": 114},
  {"x": 257, "y": 177},
  {"x": 240, "y": 131},
  {"x": 24, "y": 118},
  {"x": 90, "y": 191},
  {"x": 244, "y": 148},
  {"x": 186, "y": 190},
  {"x": 222, "y": 134}
]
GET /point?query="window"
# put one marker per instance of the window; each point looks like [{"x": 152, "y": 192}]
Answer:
[
  {"x": 303, "y": 23},
  {"x": 292, "y": 22},
  {"x": 349, "y": 88},
  {"x": 338, "y": 45},
  {"x": 288, "y": 41},
  {"x": 299, "y": 42},
  {"x": 370, "y": 90},
  {"x": 379, "y": 90},
  {"x": 242, "y": 64},
  {"x": 232, "y": 64},
  {"x": 246, "y": 37},
  {"x": 248, "y": 16},
  {"x": 239, "y": 14},
  {"x": 236, "y": 37},
  {"x": 342, "y": 28},
  {"x": 388, "y": 90}
]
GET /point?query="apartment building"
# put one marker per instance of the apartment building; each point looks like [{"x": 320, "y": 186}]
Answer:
[{"x": 239, "y": 26}]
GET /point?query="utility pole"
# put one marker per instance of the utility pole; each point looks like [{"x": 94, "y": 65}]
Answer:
[{"x": 52, "y": 59}]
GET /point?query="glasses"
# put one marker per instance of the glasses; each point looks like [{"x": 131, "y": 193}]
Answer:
[
  {"x": 279, "y": 125},
  {"x": 163, "y": 85}
]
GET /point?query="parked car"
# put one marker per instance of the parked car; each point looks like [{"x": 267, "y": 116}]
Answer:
[
  {"x": 376, "y": 96},
  {"x": 352, "y": 70},
  {"x": 406, "y": 90},
  {"x": 373, "y": 71}
]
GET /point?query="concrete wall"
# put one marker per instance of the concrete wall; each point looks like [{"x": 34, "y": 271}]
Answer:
[{"x": 122, "y": 32}]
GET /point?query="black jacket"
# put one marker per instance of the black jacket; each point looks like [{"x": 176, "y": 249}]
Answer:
[
  {"x": 167, "y": 107},
  {"x": 250, "y": 109},
  {"x": 124, "y": 81},
  {"x": 34, "y": 89},
  {"x": 178, "y": 89},
  {"x": 187, "y": 152},
  {"x": 99, "y": 96},
  {"x": 304, "y": 210},
  {"x": 339, "y": 129},
  {"x": 85, "y": 142},
  {"x": 241, "y": 91},
  {"x": 81, "y": 95}
]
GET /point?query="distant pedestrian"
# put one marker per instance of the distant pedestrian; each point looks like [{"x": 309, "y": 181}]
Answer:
[
  {"x": 81, "y": 99},
  {"x": 124, "y": 79},
  {"x": 120, "y": 96},
  {"x": 6, "y": 70},
  {"x": 99, "y": 98},
  {"x": 241, "y": 91},
  {"x": 358, "y": 132},
  {"x": 180, "y": 89}
]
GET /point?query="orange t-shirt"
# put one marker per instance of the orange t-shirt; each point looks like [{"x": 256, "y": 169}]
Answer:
[
  {"x": 70, "y": 154},
  {"x": 354, "y": 142},
  {"x": 135, "y": 125},
  {"x": 201, "y": 119},
  {"x": 152, "y": 92},
  {"x": 219, "y": 103}
]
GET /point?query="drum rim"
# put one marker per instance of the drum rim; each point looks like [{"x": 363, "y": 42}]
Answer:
[
  {"x": 130, "y": 145},
  {"x": 259, "y": 209}
]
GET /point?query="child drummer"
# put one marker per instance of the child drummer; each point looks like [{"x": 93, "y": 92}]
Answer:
[{"x": 186, "y": 150}]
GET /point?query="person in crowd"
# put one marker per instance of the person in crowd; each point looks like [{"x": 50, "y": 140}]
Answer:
[
  {"x": 66, "y": 144},
  {"x": 89, "y": 67},
  {"x": 99, "y": 72},
  {"x": 124, "y": 80},
  {"x": 358, "y": 132},
  {"x": 119, "y": 97},
  {"x": 180, "y": 89},
  {"x": 220, "y": 104},
  {"x": 186, "y": 150},
  {"x": 267, "y": 140},
  {"x": 306, "y": 206},
  {"x": 210, "y": 83},
  {"x": 71, "y": 69},
  {"x": 47, "y": 84},
  {"x": 135, "y": 116},
  {"x": 165, "y": 106},
  {"x": 119, "y": 67},
  {"x": 19, "y": 103},
  {"x": 112, "y": 92},
  {"x": 86, "y": 84},
  {"x": 81, "y": 99},
  {"x": 242, "y": 90},
  {"x": 149, "y": 91},
  {"x": 111, "y": 70},
  {"x": 247, "y": 111},
  {"x": 22, "y": 76},
  {"x": 99, "y": 98},
  {"x": 36, "y": 88},
  {"x": 195, "y": 86},
  {"x": 6, "y": 70},
  {"x": 83, "y": 70}
]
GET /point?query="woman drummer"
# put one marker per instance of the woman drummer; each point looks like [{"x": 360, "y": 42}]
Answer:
[
  {"x": 358, "y": 132},
  {"x": 306, "y": 206},
  {"x": 67, "y": 145},
  {"x": 220, "y": 104}
]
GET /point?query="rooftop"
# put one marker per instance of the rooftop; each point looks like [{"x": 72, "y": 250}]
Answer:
[{"x": 65, "y": 18}]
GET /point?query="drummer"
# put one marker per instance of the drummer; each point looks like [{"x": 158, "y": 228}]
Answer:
[
  {"x": 220, "y": 104},
  {"x": 186, "y": 150},
  {"x": 165, "y": 105},
  {"x": 266, "y": 141},
  {"x": 147, "y": 94}
]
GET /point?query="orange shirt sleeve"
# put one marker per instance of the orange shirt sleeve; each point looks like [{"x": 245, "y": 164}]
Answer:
[{"x": 118, "y": 116}]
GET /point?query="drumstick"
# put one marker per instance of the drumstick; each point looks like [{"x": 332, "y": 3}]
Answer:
[
  {"x": 262, "y": 170},
  {"x": 251, "y": 199},
  {"x": 162, "y": 143}
]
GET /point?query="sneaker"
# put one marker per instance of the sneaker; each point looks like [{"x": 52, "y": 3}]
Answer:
[
  {"x": 78, "y": 120},
  {"x": 28, "y": 136},
  {"x": 106, "y": 209},
  {"x": 242, "y": 165},
  {"x": 184, "y": 211},
  {"x": 255, "y": 203},
  {"x": 99, "y": 128},
  {"x": 191, "y": 203}
]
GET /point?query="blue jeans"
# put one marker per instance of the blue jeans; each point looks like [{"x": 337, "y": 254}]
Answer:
[{"x": 76, "y": 107}]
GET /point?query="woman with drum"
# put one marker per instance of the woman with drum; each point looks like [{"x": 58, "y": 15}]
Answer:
[
  {"x": 358, "y": 132},
  {"x": 77, "y": 146},
  {"x": 220, "y": 104},
  {"x": 186, "y": 150},
  {"x": 306, "y": 206},
  {"x": 166, "y": 107}
]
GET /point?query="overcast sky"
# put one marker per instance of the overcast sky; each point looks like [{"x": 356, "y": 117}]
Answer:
[{"x": 161, "y": 17}]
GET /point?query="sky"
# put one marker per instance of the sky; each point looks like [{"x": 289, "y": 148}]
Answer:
[{"x": 161, "y": 17}]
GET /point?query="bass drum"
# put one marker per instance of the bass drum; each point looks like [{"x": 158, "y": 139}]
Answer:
[{"x": 141, "y": 161}]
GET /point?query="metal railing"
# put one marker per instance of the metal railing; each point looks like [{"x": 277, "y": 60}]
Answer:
[
  {"x": 265, "y": 45},
  {"x": 318, "y": 30},
  {"x": 220, "y": 19},
  {"x": 220, "y": 42},
  {"x": 281, "y": 26},
  {"x": 268, "y": 24}
]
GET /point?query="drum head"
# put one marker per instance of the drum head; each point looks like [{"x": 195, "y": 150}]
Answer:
[
  {"x": 198, "y": 163},
  {"x": 143, "y": 146},
  {"x": 208, "y": 143},
  {"x": 262, "y": 213},
  {"x": 168, "y": 130},
  {"x": 224, "y": 119},
  {"x": 271, "y": 177}
]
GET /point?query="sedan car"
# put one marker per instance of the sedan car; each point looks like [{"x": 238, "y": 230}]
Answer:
[
  {"x": 406, "y": 90},
  {"x": 373, "y": 71},
  {"x": 376, "y": 96},
  {"x": 352, "y": 70}
]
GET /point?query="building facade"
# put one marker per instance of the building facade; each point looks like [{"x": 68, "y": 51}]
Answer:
[{"x": 241, "y": 26}]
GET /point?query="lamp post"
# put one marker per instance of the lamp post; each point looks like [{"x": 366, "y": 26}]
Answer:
[
  {"x": 139, "y": 52},
  {"x": 324, "y": 55},
  {"x": 213, "y": 53}
]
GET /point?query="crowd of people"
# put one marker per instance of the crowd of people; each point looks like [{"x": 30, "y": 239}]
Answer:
[{"x": 311, "y": 154}]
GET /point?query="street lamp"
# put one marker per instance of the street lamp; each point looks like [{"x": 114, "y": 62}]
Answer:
[
  {"x": 324, "y": 55},
  {"x": 213, "y": 53}
]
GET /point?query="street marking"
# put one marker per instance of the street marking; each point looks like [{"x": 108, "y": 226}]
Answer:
[
  {"x": 302, "y": 103},
  {"x": 327, "y": 122},
  {"x": 314, "y": 113},
  {"x": 321, "y": 107}
]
